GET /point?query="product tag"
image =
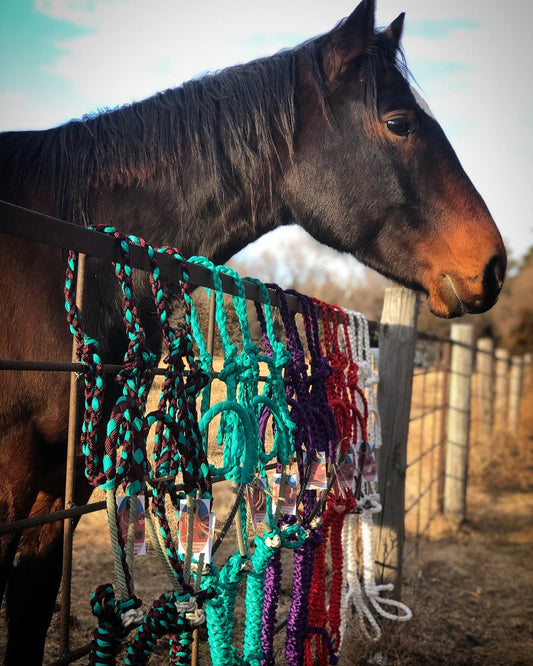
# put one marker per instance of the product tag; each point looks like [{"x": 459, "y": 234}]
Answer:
[
  {"x": 290, "y": 493},
  {"x": 123, "y": 521},
  {"x": 203, "y": 529},
  {"x": 256, "y": 500},
  {"x": 318, "y": 475},
  {"x": 347, "y": 469}
]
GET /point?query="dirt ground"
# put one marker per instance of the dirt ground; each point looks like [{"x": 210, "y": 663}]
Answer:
[{"x": 470, "y": 586}]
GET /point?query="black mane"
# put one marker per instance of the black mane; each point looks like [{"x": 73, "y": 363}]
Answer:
[
  {"x": 224, "y": 134},
  {"x": 223, "y": 130}
]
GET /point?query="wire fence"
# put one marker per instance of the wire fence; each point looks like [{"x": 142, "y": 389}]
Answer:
[
  {"x": 427, "y": 439},
  {"x": 489, "y": 411}
]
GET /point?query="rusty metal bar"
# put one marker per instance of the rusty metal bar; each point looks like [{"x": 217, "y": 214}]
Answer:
[
  {"x": 28, "y": 224},
  {"x": 44, "y": 518},
  {"x": 54, "y": 366},
  {"x": 57, "y": 366},
  {"x": 70, "y": 478}
]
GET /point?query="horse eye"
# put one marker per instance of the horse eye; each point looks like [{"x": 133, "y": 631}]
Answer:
[{"x": 400, "y": 126}]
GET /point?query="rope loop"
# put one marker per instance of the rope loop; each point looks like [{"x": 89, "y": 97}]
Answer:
[{"x": 115, "y": 619}]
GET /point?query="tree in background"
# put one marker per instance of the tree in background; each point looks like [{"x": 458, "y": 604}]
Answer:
[
  {"x": 303, "y": 264},
  {"x": 511, "y": 318}
]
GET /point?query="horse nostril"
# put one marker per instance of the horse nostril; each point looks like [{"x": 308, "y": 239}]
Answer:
[{"x": 494, "y": 275}]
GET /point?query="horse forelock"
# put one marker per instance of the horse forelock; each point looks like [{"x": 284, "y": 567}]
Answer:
[
  {"x": 369, "y": 66},
  {"x": 378, "y": 61}
]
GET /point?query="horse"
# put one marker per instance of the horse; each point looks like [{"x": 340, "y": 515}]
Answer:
[{"x": 327, "y": 135}]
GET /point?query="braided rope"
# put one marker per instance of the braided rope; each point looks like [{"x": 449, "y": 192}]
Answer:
[
  {"x": 315, "y": 431},
  {"x": 342, "y": 389},
  {"x": 123, "y": 434},
  {"x": 365, "y": 596},
  {"x": 171, "y": 614},
  {"x": 178, "y": 442},
  {"x": 329, "y": 411},
  {"x": 238, "y": 433},
  {"x": 372, "y": 590}
]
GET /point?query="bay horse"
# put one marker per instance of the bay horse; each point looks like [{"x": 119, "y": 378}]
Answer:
[{"x": 327, "y": 135}]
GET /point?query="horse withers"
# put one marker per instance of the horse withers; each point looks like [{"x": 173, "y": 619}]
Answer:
[{"x": 327, "y": 135}]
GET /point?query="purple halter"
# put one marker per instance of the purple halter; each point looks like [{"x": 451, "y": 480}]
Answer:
[{"x": 315, "y": 432}]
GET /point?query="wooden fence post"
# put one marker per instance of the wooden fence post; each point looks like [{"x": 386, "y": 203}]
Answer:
[
  {"x": 527, "y": 363},
  {"x": 459, "y": 420},
  {"x": 485, "y": 396},
  {"x": 501, "y": 399},
  {"x": 516, "y": 381},
  {"x": 397, "y": 339}
]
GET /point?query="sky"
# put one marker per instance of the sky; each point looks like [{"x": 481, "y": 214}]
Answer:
[{"x": 472, "y": 62}]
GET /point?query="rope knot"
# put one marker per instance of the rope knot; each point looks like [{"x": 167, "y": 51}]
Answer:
[
  {"x": 273, "y": 541},
  {"x": 138, "y": 360},
  {"x": 189, "y": 608},
  {"x": 196, "y": 618},
  {"x": 133, "y": 616},
  {"x": 293, "y": 536},
  {"x": 371, "y": 503},
  {"x": 316, "y": 522},
  {"x": 248, "y": 364}
]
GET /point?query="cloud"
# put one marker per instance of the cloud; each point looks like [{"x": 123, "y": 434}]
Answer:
[
  {"x": 133, "y": 48},
  {"x": 441, "y": 29},
  {"x": 18, "y": 110}
]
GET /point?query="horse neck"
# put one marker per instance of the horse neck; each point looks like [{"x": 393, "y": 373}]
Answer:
[
  {"x": 207, "y": 160},
  {"x": 194, "y": 225}
]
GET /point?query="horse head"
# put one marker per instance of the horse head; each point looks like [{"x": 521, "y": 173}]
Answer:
[{"x": 374, "y": 175}]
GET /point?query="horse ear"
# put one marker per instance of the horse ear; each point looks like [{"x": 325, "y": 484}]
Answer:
[
  {"x": 394, "y": 32},
  {"x": 349, "y": 39}
]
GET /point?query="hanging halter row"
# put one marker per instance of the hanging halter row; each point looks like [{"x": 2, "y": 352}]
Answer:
[
  {"x": 272, "y": 404},
  {"x": 244, "y": 461},
  {"x": 315, "y": 436},
  {"x": 123, "y": 435},
  {"x": 178, "y": 448},
  {"x": 323, "y": 419},
  {"x": 364, "y": 596},
  {"x": 342, "y": 387},
  {"x": 177, "y": 444},
  {"x": 306, "y": 419}
]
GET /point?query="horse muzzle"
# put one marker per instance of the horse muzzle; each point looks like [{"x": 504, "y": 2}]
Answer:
[{"x": 453, "y": 295}]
